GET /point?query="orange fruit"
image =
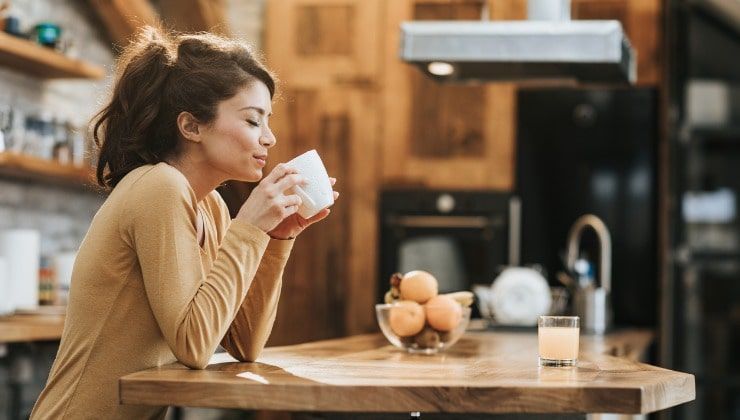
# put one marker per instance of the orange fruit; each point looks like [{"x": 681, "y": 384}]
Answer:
[
  {"x": 418, "y": 286},
  {"x": 443, "y": 313},
  {"x": 406, "y": 318}
]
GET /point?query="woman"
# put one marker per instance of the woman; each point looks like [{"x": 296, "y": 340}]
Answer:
[{"x": 164, "y": 274}]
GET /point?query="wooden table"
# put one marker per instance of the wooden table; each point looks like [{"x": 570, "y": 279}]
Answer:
[
  {"x": 24, "y": 328},
  {"x": 485, "y": 372}
]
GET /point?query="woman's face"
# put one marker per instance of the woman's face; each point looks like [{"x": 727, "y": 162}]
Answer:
[{"x": 237, "y": 141}]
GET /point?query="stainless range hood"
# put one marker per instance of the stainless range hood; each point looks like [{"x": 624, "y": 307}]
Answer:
[{"x": 586, "y": 51}]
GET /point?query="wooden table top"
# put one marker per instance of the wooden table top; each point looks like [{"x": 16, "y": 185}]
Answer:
[
  {"x": 23, "y": 328},
  {"x": 485, "y": 372}
]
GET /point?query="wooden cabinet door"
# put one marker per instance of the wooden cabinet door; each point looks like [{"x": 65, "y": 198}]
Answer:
[
  {"x": 445, "y": 135},
  {"x": 326, "y": 55},
  {"x": 324, "y": 42},
  {"x": 329, "y": 284}
]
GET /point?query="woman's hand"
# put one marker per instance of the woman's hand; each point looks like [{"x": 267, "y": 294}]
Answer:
[
  {"x": 294, "y": 224},
  {"x": 267, "y": 205}
]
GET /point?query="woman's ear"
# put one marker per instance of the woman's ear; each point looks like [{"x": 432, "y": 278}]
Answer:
[{"x": 189, "y": 127}]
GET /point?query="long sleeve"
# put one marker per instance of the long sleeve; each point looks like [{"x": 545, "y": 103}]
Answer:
[
  {"x": 192, "y": 307},
  {"x": 252, "y": 325}
]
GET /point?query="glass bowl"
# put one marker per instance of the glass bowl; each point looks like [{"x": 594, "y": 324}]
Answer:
[{"x": 429, "y": 340}]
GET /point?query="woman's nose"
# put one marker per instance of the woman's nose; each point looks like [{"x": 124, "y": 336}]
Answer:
[{"x": 268, "y": 139}]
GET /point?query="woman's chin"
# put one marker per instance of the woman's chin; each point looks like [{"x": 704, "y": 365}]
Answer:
[
  {"x": 253, "y": 176},
  {"x": 246, "y": 174}
]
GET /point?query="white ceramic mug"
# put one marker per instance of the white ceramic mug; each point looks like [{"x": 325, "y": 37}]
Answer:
[{"x": 318, "y": 193}]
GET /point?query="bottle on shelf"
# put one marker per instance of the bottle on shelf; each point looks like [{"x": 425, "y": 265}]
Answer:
[
  {"x": 77, "y": 144},
  {"x": 61, "y": 151},
  {"x": 47, "y": 280}
]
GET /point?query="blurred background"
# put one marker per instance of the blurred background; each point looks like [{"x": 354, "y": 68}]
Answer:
[{"x": 459, "y": 173}]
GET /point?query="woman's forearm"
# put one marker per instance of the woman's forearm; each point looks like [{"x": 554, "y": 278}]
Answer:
[{"x": 253, "y": 323}]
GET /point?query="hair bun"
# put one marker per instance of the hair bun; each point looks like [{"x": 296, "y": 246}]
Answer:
[{"x": 151, "y": 39}]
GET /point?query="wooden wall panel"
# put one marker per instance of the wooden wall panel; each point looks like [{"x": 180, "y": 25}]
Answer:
[
  {"x": 322, "y": 42},
  {"x": 446, "y": 119},
  {"x": 310, "y": 306},
  {"x": 123, "y": 18},
  {"x": 325, "y": 30},
  {"x": 326, "y": 54},
  {"x": 450, "y": 136},
  {"x": 196, "y": 15},
  {"x": 328, "y": 286}
]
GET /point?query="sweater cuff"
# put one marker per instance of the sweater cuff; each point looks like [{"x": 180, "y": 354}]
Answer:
[
  {"x": 250, "y": 232},
  {"x": 280, "y": 247}
]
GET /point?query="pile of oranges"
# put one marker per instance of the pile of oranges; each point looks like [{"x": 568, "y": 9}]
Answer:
[{"x": 419, "y": 311}]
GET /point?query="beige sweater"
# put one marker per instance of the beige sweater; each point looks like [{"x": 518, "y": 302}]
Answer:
[{"x": 144, "y": 294}]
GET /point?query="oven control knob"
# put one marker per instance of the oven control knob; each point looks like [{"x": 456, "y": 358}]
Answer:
[{"x": 445, "y": 203}]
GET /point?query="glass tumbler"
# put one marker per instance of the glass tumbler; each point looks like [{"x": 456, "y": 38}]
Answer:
[{"x": 557, "y": 338}]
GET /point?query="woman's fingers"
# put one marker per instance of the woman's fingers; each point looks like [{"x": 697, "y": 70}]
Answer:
[
  {"x": 333, "y": 181},
  {"x": 280, "y": 171},
  {"x": 289, "y": 181},
  {"x": 292, "y": 200}
]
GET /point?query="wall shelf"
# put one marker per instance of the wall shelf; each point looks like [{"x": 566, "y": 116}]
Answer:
[
  {"x": 22, "y": 167},
  {"x": 25, "y": 328},
  {"x": 33, "y": 59}
]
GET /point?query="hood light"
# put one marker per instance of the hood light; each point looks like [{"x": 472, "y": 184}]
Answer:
[{"x": 440, "y": 68}]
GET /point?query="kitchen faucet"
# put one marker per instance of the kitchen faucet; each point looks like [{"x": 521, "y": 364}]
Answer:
[
  {"x": 592, "y": 304},
  {"x": 605, "y": 243}
]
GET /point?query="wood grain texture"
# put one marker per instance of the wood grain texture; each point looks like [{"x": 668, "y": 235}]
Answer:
[
  {"x": 474, "y": 127},
  {"x": 196, "y": 15},
  {"x": 315, "y": 43},
  {"x": 325, "y": 30},
  {"x": 24, "y": 328},
  {"x": 329, "y": 101},
  {"x": 485, "y": 372},
  {"x": 447, "y": 119},
  {"x": 24, "y": 167},
  {"x": 327, "y": 285},
  {"x": 34, "y": 59},
  {"x": 123, "y": 18}
]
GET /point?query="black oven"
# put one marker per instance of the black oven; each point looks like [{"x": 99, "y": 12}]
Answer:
[{"x": 461, "y": 237}]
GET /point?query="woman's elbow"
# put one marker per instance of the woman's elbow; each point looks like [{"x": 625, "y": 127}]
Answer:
[
  {"x": 194, "y": 361},
  {"x": 252, "y": 356},
  {"x": 195, "y": 364},
  {"x": 244, "y": 355}
]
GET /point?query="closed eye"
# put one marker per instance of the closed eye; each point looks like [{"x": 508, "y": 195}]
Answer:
[{"x": 253, "y": 123}]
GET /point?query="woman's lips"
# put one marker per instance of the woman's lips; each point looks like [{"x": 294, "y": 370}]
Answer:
[{"x": 261, "y": 160}]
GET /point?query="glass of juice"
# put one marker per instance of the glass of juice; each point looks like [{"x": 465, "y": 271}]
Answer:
[{"x": 558, "y": 340}]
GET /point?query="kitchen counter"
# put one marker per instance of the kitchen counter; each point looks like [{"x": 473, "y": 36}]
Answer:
[
  {"x": 23, "y": 328},
  {"x": 485, "y": 372}
]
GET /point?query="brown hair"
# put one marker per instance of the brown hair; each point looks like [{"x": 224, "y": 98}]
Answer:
[{"x": 158, "y": 77}]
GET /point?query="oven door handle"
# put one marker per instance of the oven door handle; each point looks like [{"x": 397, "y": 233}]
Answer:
[{"x": 455, "y": 222}]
